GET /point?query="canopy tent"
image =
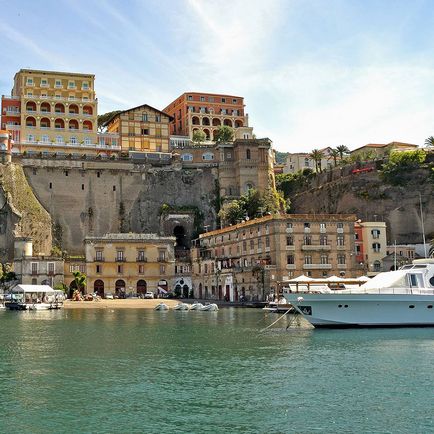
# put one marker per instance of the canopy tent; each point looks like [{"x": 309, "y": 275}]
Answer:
[
  {"x": 161, "y": 290},
  {"x": 19, "y": 289}
]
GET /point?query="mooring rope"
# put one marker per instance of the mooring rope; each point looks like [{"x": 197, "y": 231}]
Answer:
[{"x": 278, "y": 319}]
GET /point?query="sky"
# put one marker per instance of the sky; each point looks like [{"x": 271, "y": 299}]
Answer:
[{"x": 313, "y": 73}]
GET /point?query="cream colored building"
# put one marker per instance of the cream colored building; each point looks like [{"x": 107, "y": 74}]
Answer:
[
  {"x": 254, "y": 258},
  {"x": 382, "y": 149},
  {"x": 57, "y": 108},
  {"x": 374, "y": 246},
  {"x": 142, "y": 128},
  {"x": 296, "y": 162},
  {"x": 128, "y": 264}
]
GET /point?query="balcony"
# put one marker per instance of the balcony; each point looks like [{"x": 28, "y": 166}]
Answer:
[
  {"x": 121, "y": 259},
  {"x": 320, "y": 247},
  {"x": 290, "y": 266},
  {"x": 317, "y": 266},
  {"x": 99, "y": 259},
  {"x": 341, "y": 247},
  {"x": 141, "y": 259},
  {"x": 289, "y": 230},
  {"x": 290, "y": 248},
  {"x": 342, "y": 266}
]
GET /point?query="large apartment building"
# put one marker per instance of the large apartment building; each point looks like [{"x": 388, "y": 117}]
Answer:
[
  {"x": 53, "y": 111},
  {"x": 255, "y": 258},
  {"x": 193, "y": 111}
]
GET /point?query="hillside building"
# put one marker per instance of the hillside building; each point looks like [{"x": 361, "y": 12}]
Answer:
[
  {"x": 382, "y": 149},
  {"x": 195, "y": 111},
  {"x": 255, "y": 258},
  {"x": 296, "y": 162}
]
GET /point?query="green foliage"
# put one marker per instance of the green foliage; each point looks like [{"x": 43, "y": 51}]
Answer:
[
  {"x": 281, "y": 157},
  {"x": 6, "y": 273},
  {"x": 224, "y": 134},
  {"x": 198, "y": 137},
  {"x": 79, "y": 280},
  {"x": 105, "y": 117},
  {"x": 289, "y": 183},
  {"x": 251, "y": 205},
  {"x": 400, "y": 164},
  {"x": 335, "y": 154},
  {"x": 343, "y": 150},
  {"x": 61, "y": 287},
  {"x": 429, "y": 141},
  {"x": 316, "y": 155},
  {"x": 56, "y": 251}
]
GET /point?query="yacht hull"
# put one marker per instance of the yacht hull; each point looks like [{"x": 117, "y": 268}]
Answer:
[{"x": 364, "y": 310}]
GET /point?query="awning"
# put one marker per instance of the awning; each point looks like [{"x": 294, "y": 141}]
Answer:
[{"x": 161, "y": 290}]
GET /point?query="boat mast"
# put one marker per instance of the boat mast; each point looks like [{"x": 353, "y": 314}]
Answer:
[
  {"x": 394, "y": 262},
  {"x": 423, "y": 226}
]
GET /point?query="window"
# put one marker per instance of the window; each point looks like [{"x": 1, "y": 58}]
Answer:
[
  {"x": 85, "y": 85},
  {"x": 71, "y": 85},
  {"x": 98, "y": 255},
  {"x": 377, "y": 266},
  {"x": 244, "y": 246},
  {"x": 341, "y": 259},
  {"x": 308, "y": 260},
  {"x": 82, "y": 186},
  {"x": 51, "y": 185},
  {"x": 288, "y": 225},
  {"x": 45, "y": 139},
  {"x": 375, "y": 233},
  {"x": 141, "y": 269},
  {"x": 66, "y": 173},
  {"x": 140, "y": 255},
  {"x": 145, "y": 117},
  {"x": 208, "y": 156},
  {"x": 290, "y": 259},
  {"x": 324, "y": 259},
  {"x": 223, "y": 99},
  {"x": 190, "y": 98},
  {"x": 120, "y": 269},
  {"x": 306, "y": 162},
  {"x": 30, "y": 138},
  {"x": 58, "y": 84},
  {"x": 59, "y": 139},
  {"x": 340, "y": 225},
  {"x": 119, "y": 255},
  {"x": 30, "y": 82},
  {"x": 323, "y": 240},
  {"x": 267, "y": 241},
  {"x": 234, "y": 101},
  {"x": 307, "y": 225},
  {"x": 87, "y": 141},
  {"x": 162, "y": 269},
  {"x": 340, "y": 241},
  {"x": 157, "y": 118},
  {"x": 202, "y": 98},
  {"x": 307, "y": 240},
  {"x": 98, "y": 268},
  {"x": 376, "y": 247},
  {"x": 322, "y": 226},
  {"x": 223, "y": 111},
  {"x": 44, "y": 82},
  {"x": 73, "y": 140},
  {"x": 248, "y": 154},
  {"x": 161, "y": 255},
  {"x": 34, "y": 268},
  {"x": 252, "y": 244},
  {"x": 289, "y": 241},
  {"x": 145, "y": 131}
]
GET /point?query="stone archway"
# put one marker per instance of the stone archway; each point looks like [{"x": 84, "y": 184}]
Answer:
[
  {"x": 141, "y": 287},
  {"x": 120, "y": 288},
  {"x": 98, "y": 287}
]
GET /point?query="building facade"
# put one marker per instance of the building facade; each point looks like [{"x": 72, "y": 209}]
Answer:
[
  {"x": 129, "y": 264},
  {"x": 382, "y": 149},
  {"x": 296, "y": 162},
  {"x": 194, "y": 111},
  {"x": 142, "y": 129},
  {"x": 54, "y": 112},
  {"x": 253, "y": 259}
]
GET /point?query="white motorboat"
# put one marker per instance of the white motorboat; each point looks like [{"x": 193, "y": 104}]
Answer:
[
  {"x": 401, "y": 298},
  {"x": 35, "y": 297},
  {"x": 196, "y": 306},
  {"x": 210, "y": 307},
  {"x": 161, "y": 306},
  {"x": 182, "y": 306}
]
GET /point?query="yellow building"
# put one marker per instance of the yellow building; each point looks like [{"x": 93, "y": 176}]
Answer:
[
  {"x": 58, "y": 110},
  {"x": 382, "y": 149},
  {"x": 129, "y": 264},
  {"x": 252, "y": 259},
  {"x": 142, "y": 129}
]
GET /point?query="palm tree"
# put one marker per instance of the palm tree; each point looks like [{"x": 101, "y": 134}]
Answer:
[
  {"x": 342, "y": 149},
  {"x": 316, "y": 155},
  {"x": 79, "y": 280},
  {"x": 334, "y": 153},
  {"x": 429, "y": 141}
]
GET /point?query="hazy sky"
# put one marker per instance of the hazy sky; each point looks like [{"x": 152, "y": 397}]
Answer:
[{"x": 313, "y": 73}]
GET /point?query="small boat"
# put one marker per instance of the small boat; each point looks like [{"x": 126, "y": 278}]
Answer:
[
  {"x": 182, "y": 306},
  {"x": 161, "y": 306},
  {"x": 211, "y": 307},
  {"x": 196, "y": 306},
  {"x": 402, "y": 298},
  {"x": 34, "y": 297}
]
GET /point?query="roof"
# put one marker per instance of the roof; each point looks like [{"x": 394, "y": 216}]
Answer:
[
  {"x": 135, "y": 108},
  {"x": 32, "y": 288},
  {"x": 41, "y": 71}
]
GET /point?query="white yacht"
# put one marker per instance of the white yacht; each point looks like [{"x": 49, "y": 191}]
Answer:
[
  {"x": 35, "y": 297},
  {"x": 402, "y": 298}
]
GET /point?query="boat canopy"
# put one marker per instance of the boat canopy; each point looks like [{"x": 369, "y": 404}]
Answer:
[
  {"x": 390, "y": 279},
  {"x": 31, "y": 289}
]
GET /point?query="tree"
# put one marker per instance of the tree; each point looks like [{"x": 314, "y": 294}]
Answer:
[
  {"x": 316, "y": 155},
  {"x": 334, "y": 153},
  {"x": 224, "y": 134},
  {"x": 79, "y": 280},
  {"x": 342, "y": 149},
  {"x": 6, "y": 274},
  {"x": 102, "y": 119},
  {"x": 231, "y": 213},
  {"x": 400, "y": 164},
  {"x": 198, "y": 137},
  {"x": 429, "y": 141}
]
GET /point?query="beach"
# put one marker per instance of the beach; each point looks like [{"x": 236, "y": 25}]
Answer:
[{"x": 132, "y": 303}]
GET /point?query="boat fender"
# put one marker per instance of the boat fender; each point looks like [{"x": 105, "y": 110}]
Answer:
[
  {"x": 45, "y": 300},
  {"x": 300, "y": 299}
]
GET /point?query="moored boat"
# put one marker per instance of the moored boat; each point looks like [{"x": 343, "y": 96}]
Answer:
[
  {"x": 209, "y": 307},
  {"x": 401, "y": 298},
  {"x": 161, "y": 306},
  {"x": 196, "y": 306},
  {"x": 34, "y": 297},
  {"x": 182, "y": 306}
]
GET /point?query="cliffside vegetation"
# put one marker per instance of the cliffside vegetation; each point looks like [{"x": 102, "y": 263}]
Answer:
[
  {"x": 35, "y": 221},
  {"x": 397, "y": 170}
]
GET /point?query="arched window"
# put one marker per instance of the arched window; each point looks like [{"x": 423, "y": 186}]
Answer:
[
  {"x": 98, "y": 287},
  {"x": 248, "y": 155},
  {"x": 73, "y": 140},
  {"x": 187, "y": 157},
  {"x": 377, "y": 266},
  {"x": 141, "y": 287},
  {"x": 59, "y": 139},
  {"x": 208, "y": 156},
  {"x": 87, "y": 141}
]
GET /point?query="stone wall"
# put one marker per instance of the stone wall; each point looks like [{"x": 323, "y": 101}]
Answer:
[{"x": 94, "y": 198}]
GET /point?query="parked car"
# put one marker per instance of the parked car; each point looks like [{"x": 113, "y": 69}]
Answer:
[
  {"x": 149, "y": 294},
  {"x": 109, "y": 296}
]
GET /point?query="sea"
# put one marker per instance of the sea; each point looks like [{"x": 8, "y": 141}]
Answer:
[{"x": 232, "y": 371}]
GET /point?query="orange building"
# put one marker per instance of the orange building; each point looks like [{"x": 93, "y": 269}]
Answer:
[{"x": 206, "y": 112}]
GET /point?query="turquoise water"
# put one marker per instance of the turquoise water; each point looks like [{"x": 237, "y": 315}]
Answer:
[{"x": 140, "y": 371}]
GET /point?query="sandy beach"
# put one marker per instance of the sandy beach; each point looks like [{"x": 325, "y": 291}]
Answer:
[{"x": 119, "y": 304}]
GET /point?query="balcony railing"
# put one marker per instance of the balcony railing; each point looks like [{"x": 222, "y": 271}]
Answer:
[
  {"x": 141, "y": 259},
  {"x": 322, "y": 247},
  {"x": 119, "y": 259},
  {"x": 99, "y": 259},
  {"x": 317, "y": 266}
]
